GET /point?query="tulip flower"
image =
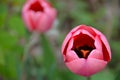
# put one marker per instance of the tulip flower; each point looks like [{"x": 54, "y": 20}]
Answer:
[
  {"x": 85, "y": 50},
  {"x": 38, "y": 15}
]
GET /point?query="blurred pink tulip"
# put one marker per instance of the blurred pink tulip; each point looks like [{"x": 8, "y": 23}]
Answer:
[
  {"x": 38, "y": 15},
  {"x": 85, "y": 50}
]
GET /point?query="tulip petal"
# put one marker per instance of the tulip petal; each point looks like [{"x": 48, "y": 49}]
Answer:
[
  {"x": 38, "y": 15},
  {"x": 96, "y": 54},
  {"x": 74, "y": 29},
  {"x": 43, "y": 23},
  {"x": 35, "y": 17},
  {"x": 69, "y": 48},
  {"x": 65, "y": 43},
  {"x": 88, "y": 28},
  {"x": 98, "y": 43},
  {"x": 28, "y": 20},
  {"x": 76, "y": 65},
  {"x": 87, "y": 33},
  {"x": 76, "y": 33},
  {"x": 106, "y": 49},
  {"x": 79, "y": 29},
  {"x": 46, "y": 20},
  {"x": 51, "y": 12},
  {"x": 95, "y": 65},
  {"x": 70, "y": 56},
  {"x": 105, "y": 43},
  {"x": 83, "y": 32},
  {"x": 85, "y": 38},
  {"x": 86, "y": 67}
]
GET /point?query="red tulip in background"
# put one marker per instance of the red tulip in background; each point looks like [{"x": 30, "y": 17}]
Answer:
[
  {"x": 38, "y": 15},
  {"x": 85, "y": 50}
]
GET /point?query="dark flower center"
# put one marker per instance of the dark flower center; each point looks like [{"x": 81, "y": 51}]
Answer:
[
  {"x": 36, "y": 7},
  {"x": 83, "y": 45},
  {"x": 83, "y": 51}
]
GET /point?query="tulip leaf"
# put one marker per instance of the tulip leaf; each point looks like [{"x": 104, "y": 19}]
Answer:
[
  {"x": 8, "y": 70},
  {"x": 2, "y": 61},
  {"x": 118, "y": 76},
  {"x": 103, "y": 75},
  {"x": 5, "y": 44},
  {"x": 17, "y": 25},
  {"x": 3, "y": 13},
  {"x": 48, "y": 54},
  {"x": 10, "y": 65}
]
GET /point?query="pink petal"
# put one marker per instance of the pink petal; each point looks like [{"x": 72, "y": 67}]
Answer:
[
  {"x": 65, "y": 42},
  {"x": 28, "y": 21},
  {"x": 79, "y": 29},
  {"x": 70, "y": 56},
  {"x": 33, "y": 19},
  {"x": 88, "y": 28},
  {"x": 27, "y": 15},
  {"x": 74, "y": 29},
  {"x": 86, "y": 67},
  {"x": 76, "y": 33},
  {"x": 82, "y": 39},
  {"x": 43, "y": 23},
  {"x": 96, "y": 54},
  {"x": 104, "y": 40},
  {"x": 51, "y": 12},
  {"x": 70, "y": 45},
  {"x": 95, "y": 65},
  {"x": 98, "y": 43},
  {"x": 89, "y": 34},
  {"x": 76, "y": 65},
  {"x": 38, "y": 19},
  {"x": 106, "y": 44},
  {"x": 46, "y": 20},
  {"x": 82, "y": 31}
]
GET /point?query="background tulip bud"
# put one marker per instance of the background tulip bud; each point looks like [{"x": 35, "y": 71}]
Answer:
[
  {"x": 85, "y": 50},
  {"x": 38, "y": 15}
]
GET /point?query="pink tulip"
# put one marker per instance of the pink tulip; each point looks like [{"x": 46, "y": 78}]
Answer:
[
  {"x": 38, "y": 15},
  {"x": 85, "y": 50}
]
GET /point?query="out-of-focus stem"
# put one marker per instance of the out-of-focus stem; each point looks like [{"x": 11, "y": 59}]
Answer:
[
  {"x": 27, "y": 55},
  {"x": 88, "y": 78},
  {"x": 34, "y": 39}
]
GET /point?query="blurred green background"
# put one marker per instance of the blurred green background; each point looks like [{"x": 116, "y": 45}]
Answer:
[{"x": 30, "y": 56}]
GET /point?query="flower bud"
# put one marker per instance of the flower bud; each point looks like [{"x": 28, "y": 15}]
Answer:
[
  {"x": 85, "y": 50},
  {"x": 38, "y": 15}
]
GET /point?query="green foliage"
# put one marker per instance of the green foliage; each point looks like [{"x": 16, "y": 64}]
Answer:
[
  {"x": 3, "y": 14},
  {"x": 14, "y": 37},
  {"x": 48, "y": 56},
  {"x": 16, "y": 24}
]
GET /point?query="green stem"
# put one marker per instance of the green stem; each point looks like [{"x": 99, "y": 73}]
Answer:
[
  {"x": 28, "y": 56},
  {"x": 48, "y": 56},
  {"x": 88, "y": 78}
]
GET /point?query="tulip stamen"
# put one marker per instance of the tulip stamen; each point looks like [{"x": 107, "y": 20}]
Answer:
[{"x": 83, "y": 51}]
